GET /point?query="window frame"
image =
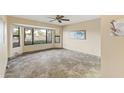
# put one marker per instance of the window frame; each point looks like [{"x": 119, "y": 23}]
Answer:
[
  {"x": 57, "y": 36},
  {"x": 32, "y": 35},
  {"x": 47, "y": 36},
  {"x": 33, "y": 41},
  {"x": 18, "y": 36}
]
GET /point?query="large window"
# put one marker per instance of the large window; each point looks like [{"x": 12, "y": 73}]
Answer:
[
  {"x": 37, "y": 36},
  {"x": 28, "y": 34},
  {"x": 16, "y": 36}
]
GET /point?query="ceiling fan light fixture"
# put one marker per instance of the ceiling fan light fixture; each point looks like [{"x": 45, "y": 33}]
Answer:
[{"x": 59, "y": 18}]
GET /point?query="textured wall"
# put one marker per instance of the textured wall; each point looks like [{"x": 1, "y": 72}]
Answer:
[
  {"x": 93, "y": 39},
  {"x": 112, "y": 49}
]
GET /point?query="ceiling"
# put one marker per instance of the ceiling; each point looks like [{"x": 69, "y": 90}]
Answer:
[{"x": 73, "y": 18}]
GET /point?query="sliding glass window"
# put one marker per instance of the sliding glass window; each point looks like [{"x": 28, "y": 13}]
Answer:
[
  {"x": 28, "y": 36},
  {"x": 39, "y": 36},
  {"x": 34, "y": 36},
  {"x": 16, "y": 36}
]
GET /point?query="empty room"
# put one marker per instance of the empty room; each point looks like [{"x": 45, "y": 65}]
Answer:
[{"x": 52, "y": 46}]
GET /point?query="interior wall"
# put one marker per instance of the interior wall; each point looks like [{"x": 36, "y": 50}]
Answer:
[
  {"x": 92, "y": 43},
  {"x": 3, "y": 45},
  {"x": 13, "y": 51},
  {"x": 112, "y": 49}
]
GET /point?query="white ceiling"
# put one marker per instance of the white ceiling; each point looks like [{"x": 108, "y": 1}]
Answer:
[{"x": 73, "y": 18}]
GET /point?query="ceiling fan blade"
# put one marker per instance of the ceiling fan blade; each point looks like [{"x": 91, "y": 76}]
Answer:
[
  {"x": 59, "y": 21},
  {"x": 52, "y": 20},
  {"x": 65, "y": 19},
  {"x": 61, "y": 16}
]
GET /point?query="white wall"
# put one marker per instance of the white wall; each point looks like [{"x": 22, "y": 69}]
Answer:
[
  {"x": 3, "y": 45},
  {"x": 92, "y": 44}
]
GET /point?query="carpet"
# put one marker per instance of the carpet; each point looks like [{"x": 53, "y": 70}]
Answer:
[{"x": 54, "y": 63}]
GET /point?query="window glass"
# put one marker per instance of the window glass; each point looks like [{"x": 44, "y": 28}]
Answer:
[
  {"x": 49, "y": 36},
  {"x": 57, "y": 39},
  {"x": 16, "y": 30},
  {"x": 16, "y": 36},
  {"x": 28, "y": 36},
  {"x": 39, "y": 36}
]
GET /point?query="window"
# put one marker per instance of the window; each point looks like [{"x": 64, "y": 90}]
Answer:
[
  {"x": 49, "y": 36},
  {"x": 57, "y": 39},
  {"x": 16, "y": 36},
  {"x": 28, "y": 36},
  {"x": 39, "y": 36}
]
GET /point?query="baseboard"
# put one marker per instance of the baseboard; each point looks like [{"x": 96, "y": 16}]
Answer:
[
  {"x": 10, "y": 58},
  {"x": 82, "y": 52},
  {"x": 31, "y": 52}
]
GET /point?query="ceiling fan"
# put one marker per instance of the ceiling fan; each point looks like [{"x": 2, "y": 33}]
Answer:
[{"x": 58, "y": 18}]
